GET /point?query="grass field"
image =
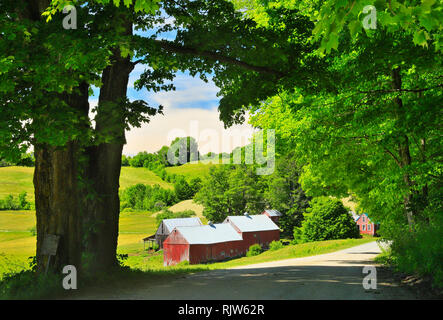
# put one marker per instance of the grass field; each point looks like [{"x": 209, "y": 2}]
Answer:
[
  {"x": 17, "y": 242},
  {"x": 14, "y": 180},
  {"x": 191, "y": 170}
]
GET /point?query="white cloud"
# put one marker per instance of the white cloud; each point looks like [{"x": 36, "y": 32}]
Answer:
[
  {"x": 203, "y": 125},
  {"x": 191, "y": 110}
]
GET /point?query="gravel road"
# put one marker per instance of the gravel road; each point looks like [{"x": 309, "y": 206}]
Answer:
[{"x": 337, "y": 275}]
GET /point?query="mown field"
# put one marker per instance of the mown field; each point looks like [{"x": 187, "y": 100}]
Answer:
[
  {"x": 14, "y": 180},
  {"x": 17, "y": 241},
  {"x": 191, "y": 170}
]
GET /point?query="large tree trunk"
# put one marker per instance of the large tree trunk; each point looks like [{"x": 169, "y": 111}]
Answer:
[
  {"x": 105, "y": 160},
  {"x": 57, "y": 192},
  {"x": 85, "y": 216},
  {"x": 55, "y": 179}
]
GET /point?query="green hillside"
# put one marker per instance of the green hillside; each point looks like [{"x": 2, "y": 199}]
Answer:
[
  {"x": 14, "y": 180},
  {"x": 191, "y": 170}
]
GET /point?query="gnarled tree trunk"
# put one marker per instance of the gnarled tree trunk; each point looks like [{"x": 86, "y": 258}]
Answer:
[{"x": 57, "y": 193}]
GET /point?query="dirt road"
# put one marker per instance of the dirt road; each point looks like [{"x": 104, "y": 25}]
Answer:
[{"x": 337, "y": 275}]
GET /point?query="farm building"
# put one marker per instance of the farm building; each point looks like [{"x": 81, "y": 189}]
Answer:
[
  {"x": 366, "y": 226},
  {"x": 199, "y": 244},
  {"x": 167, "y": 225},
  {"x": 273, "y": 214},
  {"x": 254, "y": 229}
]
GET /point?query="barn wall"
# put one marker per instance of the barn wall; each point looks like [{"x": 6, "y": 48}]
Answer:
[
  {"x": 263, "y": 238},
  {"x": 175, "y": 249},
  {"x": 201, "y": 253}
]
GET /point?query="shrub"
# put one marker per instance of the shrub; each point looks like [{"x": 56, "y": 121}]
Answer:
[
  {"x": 421, "y": 251},
  {"x": 327, "y": 219},
  {"x": 10, "y": 203},
  {"x": 275, "y": 245},
  {"x": 254, "y": 250}
]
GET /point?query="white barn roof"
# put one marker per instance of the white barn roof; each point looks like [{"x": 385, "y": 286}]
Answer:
[
  {"x": 249, "y": 223},
  {"x": 170, "y": 224},
  {"x": 273, "y": 213},
  {"x": 208, "y": 234}
]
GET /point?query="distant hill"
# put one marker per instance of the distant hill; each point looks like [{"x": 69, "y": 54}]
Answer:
[
  {"x": 188, "y": 205},
  {"x": 14, "y": 180},
  {"x": 191, "y": 170}
]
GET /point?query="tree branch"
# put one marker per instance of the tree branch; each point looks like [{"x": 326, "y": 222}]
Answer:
[{"x": 169, "y": 46}]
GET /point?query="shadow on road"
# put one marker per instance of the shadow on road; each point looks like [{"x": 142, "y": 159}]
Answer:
[{"x": 289, "y": 282}]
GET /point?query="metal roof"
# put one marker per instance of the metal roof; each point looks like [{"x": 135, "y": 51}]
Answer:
[
  {"x": 249, "y": 223},
  {"x": 354, "y": 215},
  {"x": 273, "y": 212},
  {"x": 170, "y": 224},
  {"x": 207, "y": 234}
]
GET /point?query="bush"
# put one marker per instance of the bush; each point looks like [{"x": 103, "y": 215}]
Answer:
[
  {"x": 254, "y": 250},
  {"x": 10, "y": 203},
  {"x": 275, "y": 245},
  {"x": 327, "y": 219},
  {"x": 145, "y": 197},
  {"x": 421, "y": 251}
]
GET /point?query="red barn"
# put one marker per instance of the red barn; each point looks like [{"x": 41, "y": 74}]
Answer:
[
  {"x": 255, "y": 229},
  {"x": 273, "y": 214},
  {"x": 167, "y": 225},
  {"x": 201, "y": 244},
  {"x": 366, "y": 226}
]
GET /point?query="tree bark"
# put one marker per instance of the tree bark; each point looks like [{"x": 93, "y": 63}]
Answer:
[
  {"x": 403, "y": 149},
  {"x": 105, "y": 160},
  {"x": 55, "y": 178},
  {"x": 57, "y": 191}
]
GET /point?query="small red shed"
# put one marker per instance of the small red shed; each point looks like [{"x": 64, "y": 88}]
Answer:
[
  {"x": 273, "y": 214},
  {"x": 255, "y": 229},
  {"x": 366, "y": 226},
  {"x": 201, "y": 244}
]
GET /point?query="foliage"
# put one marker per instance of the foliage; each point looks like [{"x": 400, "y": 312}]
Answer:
[
  {"x": 145, "y": 197},
  {"x": 10, "y": 203},
  {"x": 285, "y": 194},
  {"x": 327, "y": 219},
  {"x": 421, "y": 251},
  {"x": 422, "y": 20},
  {"x": 182, "y": 189},
  {"x": 275, "y": 245},
  {"x": 254, "y": 250},
  {"x": 167, "y": 214},
  {"x": 231, "y": 190}
]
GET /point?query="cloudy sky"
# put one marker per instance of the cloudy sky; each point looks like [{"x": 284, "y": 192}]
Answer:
[{"x": 190, "y": 110}]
